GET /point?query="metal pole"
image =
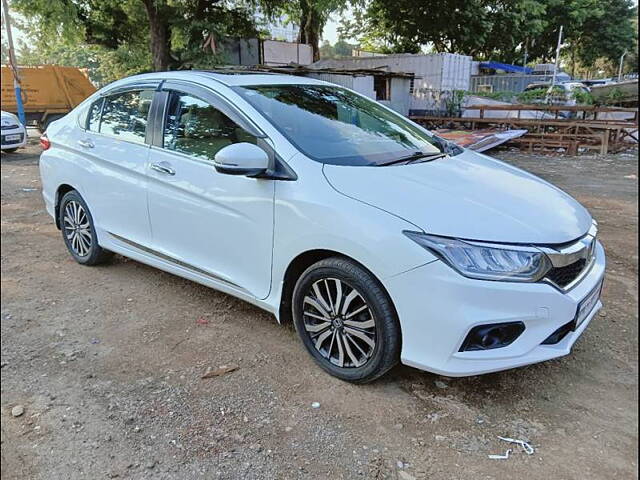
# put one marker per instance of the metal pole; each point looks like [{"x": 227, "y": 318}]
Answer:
[
  {"x": 555, "y": 69},
  {"x": 13, "y": 64},
  {"x": 621, "y": 65}
]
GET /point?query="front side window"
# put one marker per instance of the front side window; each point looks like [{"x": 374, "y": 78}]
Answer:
[
  {"x": 335, "y": 126},
  {"x": 196, "y": 128},
  {"x": 125, "y": 115}
]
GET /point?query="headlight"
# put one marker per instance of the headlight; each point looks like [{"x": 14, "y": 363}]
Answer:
[{"x": 486, "y": 261}]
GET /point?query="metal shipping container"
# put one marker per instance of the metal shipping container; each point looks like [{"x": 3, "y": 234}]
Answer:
[{"x": 437, "y": 74}]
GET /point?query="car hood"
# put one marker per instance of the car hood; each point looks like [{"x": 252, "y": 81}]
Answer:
[
  {"x": 469, "y": 196},
  {"x": 7, "y": 119}
]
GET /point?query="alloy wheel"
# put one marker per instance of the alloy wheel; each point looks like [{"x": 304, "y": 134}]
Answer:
[
  {"x": 77, "y": 228},
  {"x": 339, "y": 322}
]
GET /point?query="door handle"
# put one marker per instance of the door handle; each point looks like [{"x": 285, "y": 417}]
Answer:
[
  {"x": 86, "y": 143},
  {"x": 163, "y": 167}
]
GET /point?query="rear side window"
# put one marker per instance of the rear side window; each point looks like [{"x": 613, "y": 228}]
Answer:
[
  {"x": 196, "y": 128},
  {"x": 93, "y": 117},
  {"x": 125, "y": 115}
]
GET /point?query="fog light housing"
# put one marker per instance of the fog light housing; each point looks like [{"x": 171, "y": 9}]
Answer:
[{"x": 489, "y": 337}]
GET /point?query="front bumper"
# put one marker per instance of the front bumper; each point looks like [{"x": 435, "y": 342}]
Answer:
[{"x": 438, "y": 307}]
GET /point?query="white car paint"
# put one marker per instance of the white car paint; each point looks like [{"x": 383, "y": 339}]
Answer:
[
  {"x": 508, "y": 204},
  {"x": 14, "y": 135},
  {"x": 239, "y": 234}
]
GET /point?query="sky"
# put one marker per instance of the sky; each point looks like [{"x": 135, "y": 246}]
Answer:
[{"x": 330, "y": 31}]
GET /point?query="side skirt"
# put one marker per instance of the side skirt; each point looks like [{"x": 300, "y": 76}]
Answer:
[{"x": 168, "y": 264}]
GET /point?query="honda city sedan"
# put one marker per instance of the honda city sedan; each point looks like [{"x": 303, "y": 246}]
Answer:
[{"x": 380, "y": 241}]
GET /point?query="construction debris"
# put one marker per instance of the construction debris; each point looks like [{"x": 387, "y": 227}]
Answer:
[
  {"x": 528, "y": 449},
  {"x": 480, "y": 140},
  {"x": 218, "y": 372},
  {"x": 501, "y": 457}
]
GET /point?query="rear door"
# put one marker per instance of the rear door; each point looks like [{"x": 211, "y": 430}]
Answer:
[
  {"x": 215, "y": 224},
  {"x": 115, "y": 140}
]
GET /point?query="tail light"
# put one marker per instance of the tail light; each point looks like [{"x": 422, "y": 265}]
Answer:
[{"x": 44, "y": 142}]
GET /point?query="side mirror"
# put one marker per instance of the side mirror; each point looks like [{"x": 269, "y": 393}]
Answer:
[{"x": 241, "y": 159}]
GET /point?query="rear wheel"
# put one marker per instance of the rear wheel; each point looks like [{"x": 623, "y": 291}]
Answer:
[
  {"x": 78, "y": 231},
  {"x": 346, "y": 320}
]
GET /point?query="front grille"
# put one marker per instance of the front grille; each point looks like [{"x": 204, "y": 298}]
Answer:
[
  {"x": 563, "y": 276},
  {"x": 10, "y": 127}
]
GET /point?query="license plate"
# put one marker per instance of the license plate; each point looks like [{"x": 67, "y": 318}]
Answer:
[
  {"x": 587, "y": 304},
  {"x": 13, "y": 138}
]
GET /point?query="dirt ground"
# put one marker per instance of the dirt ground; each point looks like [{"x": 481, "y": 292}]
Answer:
[{"x": 107, "y": 363}]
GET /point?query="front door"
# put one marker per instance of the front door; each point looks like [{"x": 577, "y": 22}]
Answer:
[{"x": 217, "y": 224}]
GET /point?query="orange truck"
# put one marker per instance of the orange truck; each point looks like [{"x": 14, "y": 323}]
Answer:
[{"x": 49, "y": 92}]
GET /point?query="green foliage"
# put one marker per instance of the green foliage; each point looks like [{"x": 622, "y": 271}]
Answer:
[
  {"x": 614, "y": 97},
  {"x": 501, "y": 96},
  {"x": 498, "y": 30},
  {"x": 532, "y": 96},
  {"x": 310, "y": 15},
  {"x": 453, "y": 101},
  {"x": 583, "y": 98},
  {"x": 119, "y": 33},
  {"x": 340, "y": 49}
]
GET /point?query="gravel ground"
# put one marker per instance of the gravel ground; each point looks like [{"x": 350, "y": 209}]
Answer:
[{"x": 107, "y": 364}]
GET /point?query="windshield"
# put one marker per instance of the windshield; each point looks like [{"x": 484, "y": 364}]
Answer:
[{"x": 333, "y": 125}]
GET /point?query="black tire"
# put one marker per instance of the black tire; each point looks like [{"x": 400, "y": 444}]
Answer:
[
  {"x": 386, "y": 352},
  {"x": 94, "y": 254},
  {"x": 10, "y": 150}
]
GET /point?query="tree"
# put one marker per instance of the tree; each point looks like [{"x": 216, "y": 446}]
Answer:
[
  {"x": 327, "y": 50},
  {"x": 471, "y": 27},
  {"x": 340, "y": 49},
  {"x": 174, "y": 31},
  {"x": 496, "y": 29},
  {"x": 311, "y": 16}
]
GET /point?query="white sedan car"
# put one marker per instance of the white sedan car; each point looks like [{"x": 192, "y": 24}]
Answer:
[
  {"x": 13, "y": 134},
  {"x": 379, "y": 240}
]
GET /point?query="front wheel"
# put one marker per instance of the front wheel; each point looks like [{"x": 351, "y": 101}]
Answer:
[
  {"x": 346, "y": 320},
  {"x": 78, "y": 232}
]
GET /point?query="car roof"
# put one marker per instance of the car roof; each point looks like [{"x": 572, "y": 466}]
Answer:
[{"x": 230, "y": 78}]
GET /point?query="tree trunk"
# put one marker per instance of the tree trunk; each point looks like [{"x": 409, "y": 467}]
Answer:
[
  {"x": 159, "y": 35},
  {"x": 310, "y": 27}
]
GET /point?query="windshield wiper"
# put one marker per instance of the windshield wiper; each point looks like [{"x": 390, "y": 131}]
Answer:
[{"x": 414, "y": 157}]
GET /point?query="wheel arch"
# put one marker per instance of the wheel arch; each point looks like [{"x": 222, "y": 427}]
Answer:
[
  {"x": 299, "y": 264},
  {"x": 61, "y": 191}
]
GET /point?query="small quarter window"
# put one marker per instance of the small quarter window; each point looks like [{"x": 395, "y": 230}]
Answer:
[
  {"x": 125, "y": 115},
  {"x": 195, "y": 127},
  {"x": 93, "y": 116}
]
